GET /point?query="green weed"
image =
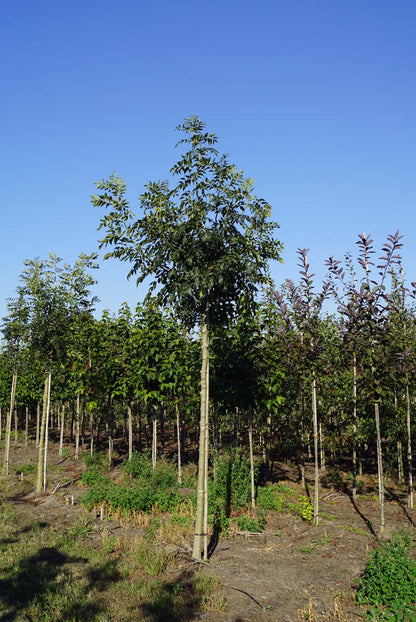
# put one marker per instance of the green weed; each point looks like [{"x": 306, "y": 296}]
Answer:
[{"x": 388, "y": 584}]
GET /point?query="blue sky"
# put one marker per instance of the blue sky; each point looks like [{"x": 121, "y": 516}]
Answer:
[{"x": 314, "y": 99}]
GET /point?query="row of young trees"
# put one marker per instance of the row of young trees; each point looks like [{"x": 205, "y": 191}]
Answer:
[{"x": 286, "y": 379}]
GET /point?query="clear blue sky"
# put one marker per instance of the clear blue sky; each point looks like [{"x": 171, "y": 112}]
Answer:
[{"x": 314, "y": 99}]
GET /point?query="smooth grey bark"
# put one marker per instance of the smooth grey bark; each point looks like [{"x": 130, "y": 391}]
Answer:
[
  {"x": 250, "y": 442},
  {"x": 26, "y": 425},
  {"x": 316, "y": 452},
  {"x": 199, "y": 518},
  {"x": 9, "y": 423},
  {"x": 354, "y": 426},
  {"x": 379, "y": 468},
  {"x": 77, "y": 428},
  {"x": 409, "y": 448},
  {"x": 37, "y": 423},
  {"x": 42, "y": 435},
  {"x": 178, "y": 438},
  {"x": 61, "y": 435},
  {"x": 130, "y": 430}
]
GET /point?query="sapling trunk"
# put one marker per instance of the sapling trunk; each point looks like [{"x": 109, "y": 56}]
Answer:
[
  {"x": 130, "y": 428},
  {"x": 315, "y": 442},
  {"x": 409, "y": 448},
  {"x": 199, "y": 518},
  {"x": 9, "y": 423},
  {"x": 37, "y": 423},
  {"x": 154, "y": 438},
  {"x": 354, "y": 426},
  {"x": 39, "y": 478},
  {"x": 26, "y": 425},
  {"x": 206, "y": 473},
  {"x": 45, "y": 453},
  {"x": 379, "y": 467},
  {"x": 250, "y": 441},
  {"x": 61, "y": 435},
  {"x": 178, "y": 437},
  {"x": 77, "y": 408}
]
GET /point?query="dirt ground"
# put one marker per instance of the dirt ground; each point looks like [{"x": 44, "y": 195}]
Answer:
[{"x": 293, "y": 571}]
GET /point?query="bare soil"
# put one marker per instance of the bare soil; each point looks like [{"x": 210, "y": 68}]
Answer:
[{"x": 293, "y": 571}]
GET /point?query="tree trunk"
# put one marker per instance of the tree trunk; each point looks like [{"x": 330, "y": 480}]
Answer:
[
  {"x": 409, "y": 447},
  {"x": 206, "y": 472},
  {"x": 250, "y": 442},
  {"x": 154, "y": 438},
  {"x": 45, "y": 453},
  {"x": 37, "y": 423},
  {"x": 9, "y": 423},
  {"x": 199, "y": 519},
  {"x": 130, "y": 428},
  {"x": 354, "y": 427},
  {"x": 379, "y": 468},
  {"x": 110, "y": 430},
  {"x": 316, "y": 449},
  {"x": 26, "y": 425},
  {"x": 61, "y": 435},
  {"x": 77, "y": 408},
  {"x": 178, "y": 437},
  {"x": 42, "y": 434}
]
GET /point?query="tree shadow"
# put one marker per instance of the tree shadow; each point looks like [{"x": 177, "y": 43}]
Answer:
[
  {"x": 40, "y": 577},
  {"x": 178, "y": 600},
  {"x": 366, "y": 520},
  {"x": 400, "y": 503}
]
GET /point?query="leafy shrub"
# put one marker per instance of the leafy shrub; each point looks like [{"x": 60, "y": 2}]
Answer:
[
  {"x": 232, "y": 486},
  {"x": 140, "y": 466},
  {"x": 304, "y": 508},
  {"x": 388, "y": 584},
  {"x": 150, "y": 488},
  {"x": 253, "y": 523}
]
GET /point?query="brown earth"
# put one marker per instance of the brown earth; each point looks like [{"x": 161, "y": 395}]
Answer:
[{"x": 293, "y": 571}]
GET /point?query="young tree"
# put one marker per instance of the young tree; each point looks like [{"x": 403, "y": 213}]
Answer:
[{"x": 206, "y": 242}]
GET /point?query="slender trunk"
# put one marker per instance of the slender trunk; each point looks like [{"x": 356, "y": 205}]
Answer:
[
  {"x": 199, "y": 519},
  {"x": 110, "y": 430},
  {"x": 162, "y": 429},
  {"x": 41, "y": 445},
  {"x": 9, "y": 423},
  {"x": 1, "y": 422},
  {"x": 206, "y": 472},
  {"x": 178, "y": 437},
  {"x": 61, "y": 436},
  {"x": 250, "y": 441},
  {"x": 26, "y": 425},
  {"x": 315, "y": 439},
  {"x": 45, "y": 453},
  {"x": 409, "y": 447},
  {"x": 76, "y": 456},
  {"x": 37, "y": 423},
  {"x": 130, "y": 426},
  {"x": 16, "y": 424},
  {"x": 354, "y": 427},
  {"x": 379, "y": 468},
  {"x": 321, "y": 447},
  {"x": 154, "y": 438}
]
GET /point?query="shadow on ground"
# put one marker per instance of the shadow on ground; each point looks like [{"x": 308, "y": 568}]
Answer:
[{"x": 38, "y": 578}]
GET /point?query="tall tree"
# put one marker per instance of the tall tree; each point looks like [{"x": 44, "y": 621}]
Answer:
[{"x": 206, "y": 242}]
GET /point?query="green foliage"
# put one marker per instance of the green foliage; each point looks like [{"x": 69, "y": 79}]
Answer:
[
  {"x": 254, "y": 523},
  {"x": 231, "y": 489},
  {"x": 149, "y": 489},
  {"x": 388, "y": 584},
  {"x": 305, "y": 508},
  {"x": 275, "y": 497}
]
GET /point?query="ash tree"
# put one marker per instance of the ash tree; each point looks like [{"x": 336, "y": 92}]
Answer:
[{"x": 206, "y": 241}]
